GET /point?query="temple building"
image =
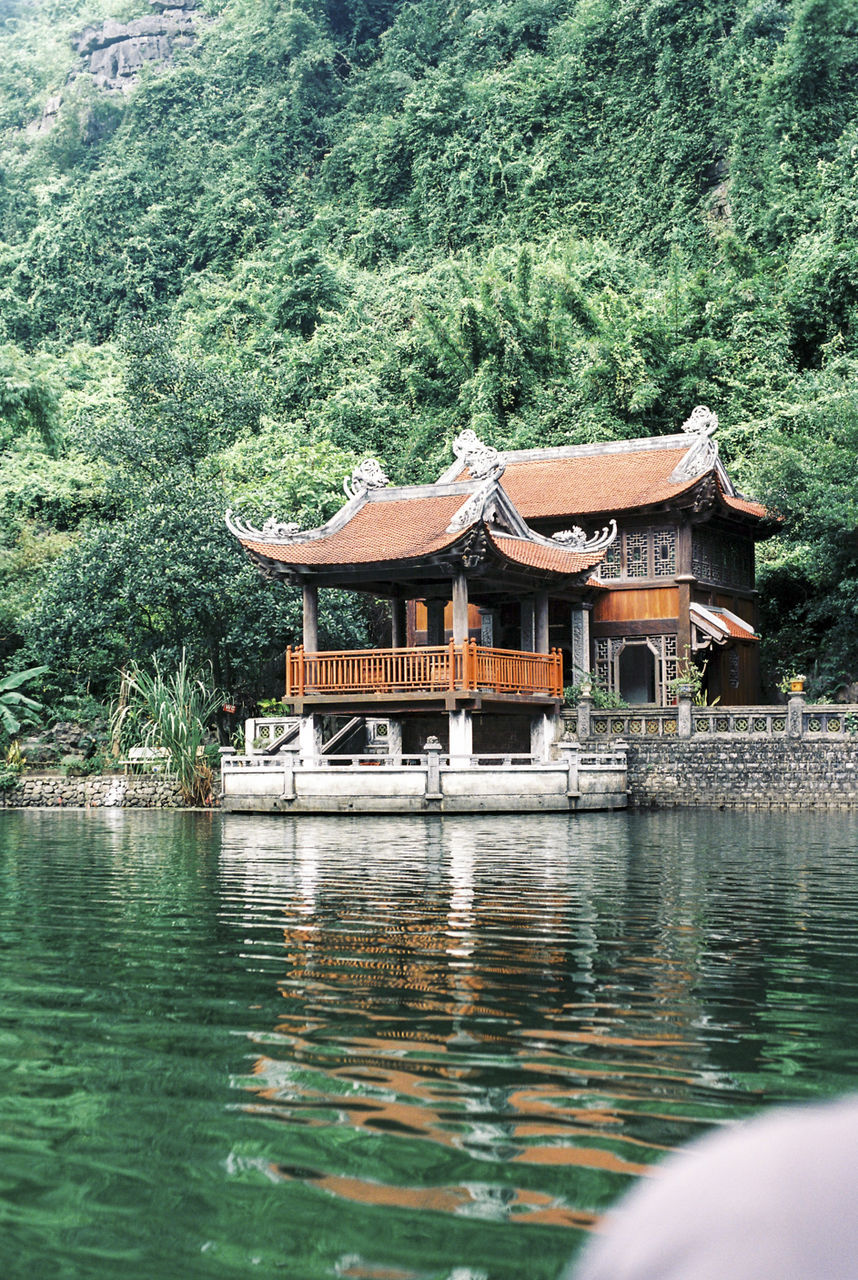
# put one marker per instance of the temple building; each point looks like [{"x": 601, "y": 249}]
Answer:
[{"x": 519, "y": 572}]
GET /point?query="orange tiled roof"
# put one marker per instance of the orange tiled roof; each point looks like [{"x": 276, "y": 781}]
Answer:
[
  {"x": 402, "y": 529},
  {"x": 736, "y": 627},
  {"x": 746, "y": 505},
  {"x": 537, "y": 556},
  {"x": 745, "y": 632},
  {"x": 409, "y": 528},
  {"x": 590, "y": 483},
  {"x": 604, "y": 482}
]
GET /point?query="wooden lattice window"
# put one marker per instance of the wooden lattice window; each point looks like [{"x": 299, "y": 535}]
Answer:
[
  {"x": 664, "y": 553},
  {"x": 646, "y": 553},
  {"x": 611, "y": 565},
  {"x": 637, "y": 555},
  {"x": 721, "y": 559}
]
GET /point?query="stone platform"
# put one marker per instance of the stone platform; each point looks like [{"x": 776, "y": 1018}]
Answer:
[{"x": 432, "y": 782}]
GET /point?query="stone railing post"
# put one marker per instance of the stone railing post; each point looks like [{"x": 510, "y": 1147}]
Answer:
[
  {"x": 289, "y": 775},
  {"x": 569, "y": 754},
  {"x": 795, "y": 714},
  {"x": 683, "y": 715},
  {"x": 585, "y": 708},
  {"x": 433, "y": 749}
]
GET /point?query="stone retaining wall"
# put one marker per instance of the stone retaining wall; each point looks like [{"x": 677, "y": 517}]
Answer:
[
  {"x": 662, "y": 773},
  {"x": 116, "y": 791},
  {"x": 743, "y": 772}
]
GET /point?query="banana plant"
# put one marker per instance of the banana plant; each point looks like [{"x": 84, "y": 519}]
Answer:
[{"x": 17, "y": 708}]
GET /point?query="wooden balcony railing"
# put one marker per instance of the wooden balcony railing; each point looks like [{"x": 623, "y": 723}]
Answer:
[{"x": 466, "y": 667}]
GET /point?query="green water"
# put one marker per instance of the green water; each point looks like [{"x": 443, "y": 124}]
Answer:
[{"x": 393, "y": 1049}]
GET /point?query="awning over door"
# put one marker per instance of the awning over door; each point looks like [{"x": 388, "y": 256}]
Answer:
[{"x": 714, "y": 625}]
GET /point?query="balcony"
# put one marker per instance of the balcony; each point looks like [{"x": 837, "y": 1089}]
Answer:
[{"x": 463, "y": 669}]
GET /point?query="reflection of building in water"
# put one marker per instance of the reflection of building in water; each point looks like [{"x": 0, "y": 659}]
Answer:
[{"x": 475, "y": 999}]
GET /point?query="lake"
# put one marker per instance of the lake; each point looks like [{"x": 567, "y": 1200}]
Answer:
[{"x": 394, "y": 1049}]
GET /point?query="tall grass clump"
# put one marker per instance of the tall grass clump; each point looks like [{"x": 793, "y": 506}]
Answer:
[{"x": 171, "y": 712}]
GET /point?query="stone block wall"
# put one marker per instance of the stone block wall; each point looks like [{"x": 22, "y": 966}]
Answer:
[
  {"x": 107, "y": 791},
  {"x": 743, "y": 772}
]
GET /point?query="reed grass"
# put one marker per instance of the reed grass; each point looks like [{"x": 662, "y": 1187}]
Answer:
[{"x": 171, "y": 711}]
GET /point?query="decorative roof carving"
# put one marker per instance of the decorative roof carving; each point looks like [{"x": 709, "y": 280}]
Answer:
[
  {"x": 474, "y": 508},
  {"x": 366, "y": 475},
  {"x": 273, "y": 530},
  {"x": 482, "y": 460},
  {"x": 703, "y": 454},
  {"x": 575, "y": 539}
]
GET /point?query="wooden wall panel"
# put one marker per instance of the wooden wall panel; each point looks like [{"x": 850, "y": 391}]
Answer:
[
  {"x": 637, "y": 605},
  {"x": 743, "y": 608}
]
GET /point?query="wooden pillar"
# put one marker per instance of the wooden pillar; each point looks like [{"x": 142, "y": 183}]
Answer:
[
  {"x": 528, "y": 638},
  {"x": 311, "y": 619},
  {"x": 460, "y": 607},
  {"x": 434, "y": 621},
  {"x": 540, "y": 622},
  {"x": 397, "y": 623}
]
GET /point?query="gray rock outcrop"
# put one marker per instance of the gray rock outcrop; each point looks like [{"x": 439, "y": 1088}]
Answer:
[{"x": 115, "y": 52}]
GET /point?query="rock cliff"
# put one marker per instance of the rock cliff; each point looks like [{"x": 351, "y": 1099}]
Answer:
[{"x": 114, "y": 52}]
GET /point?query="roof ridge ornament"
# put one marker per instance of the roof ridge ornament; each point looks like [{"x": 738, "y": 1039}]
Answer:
[
  {"x": 575, "y": 539},
  {"x": 702, "y": 456},
  {"x": 474, "y": 508},
  {"x": 365, "y": 476},
  {"x": 273, "y": 530},
  {"x": 482, "y": 460}
]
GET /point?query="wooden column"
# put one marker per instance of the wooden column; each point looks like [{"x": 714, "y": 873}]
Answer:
[
  {"x": 434, "y": 621},
  {"x": 540, "y": 622},
  {"x": 528, "y": 639},
  {"x": 311, "y": 619},
  {"x": 460, "y": 607},
  {"x": 397, "y": 623}
]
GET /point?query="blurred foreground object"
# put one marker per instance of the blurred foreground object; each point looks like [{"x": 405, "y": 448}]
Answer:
[{"x": 775, "y": 1198}]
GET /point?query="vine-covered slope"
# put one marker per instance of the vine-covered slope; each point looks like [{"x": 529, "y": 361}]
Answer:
[{"x": 312, "y": 229}]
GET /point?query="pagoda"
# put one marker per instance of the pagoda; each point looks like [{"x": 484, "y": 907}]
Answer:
[{"x": 520, "y": 571}]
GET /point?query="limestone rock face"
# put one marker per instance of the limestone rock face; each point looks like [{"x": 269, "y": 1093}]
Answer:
[{"x": 114, "y": 52}]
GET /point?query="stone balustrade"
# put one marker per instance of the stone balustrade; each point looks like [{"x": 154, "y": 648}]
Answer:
[
  {"x": 795, "y": 719},
  {"x": 432, "y": 782}
]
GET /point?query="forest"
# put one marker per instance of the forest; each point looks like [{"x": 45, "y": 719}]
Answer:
[{"x": 330, "y": 228}]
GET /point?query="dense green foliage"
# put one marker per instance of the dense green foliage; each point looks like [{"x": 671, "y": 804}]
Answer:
[{"x": 338, "y": 227}]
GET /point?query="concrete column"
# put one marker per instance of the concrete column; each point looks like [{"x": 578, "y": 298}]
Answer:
[
  {"x": 460, "y": 607},
  {"x": 580, "y": 636},
  {"x": 433, "y": 750},
  {"x": 398, "y": 623},
  {"x": 434, "y": 621},
  {"x": 585, "y": 708},
  {"x": 543, "y": 731},
  {"x": 311, "y": 619},
  {"x": 528, "y": 637},
  {"x": 683, "y": 716},
  {"x": 540, "y": 622},
  {"x": 288, "y": 775},
  {"x": 310, "y": 738},
  {"x": 795, "y": 714},
  {"x": 569, "y": 752},
  {"x": 461, "y": 738},
  {"x": 394, "y": 737}
]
